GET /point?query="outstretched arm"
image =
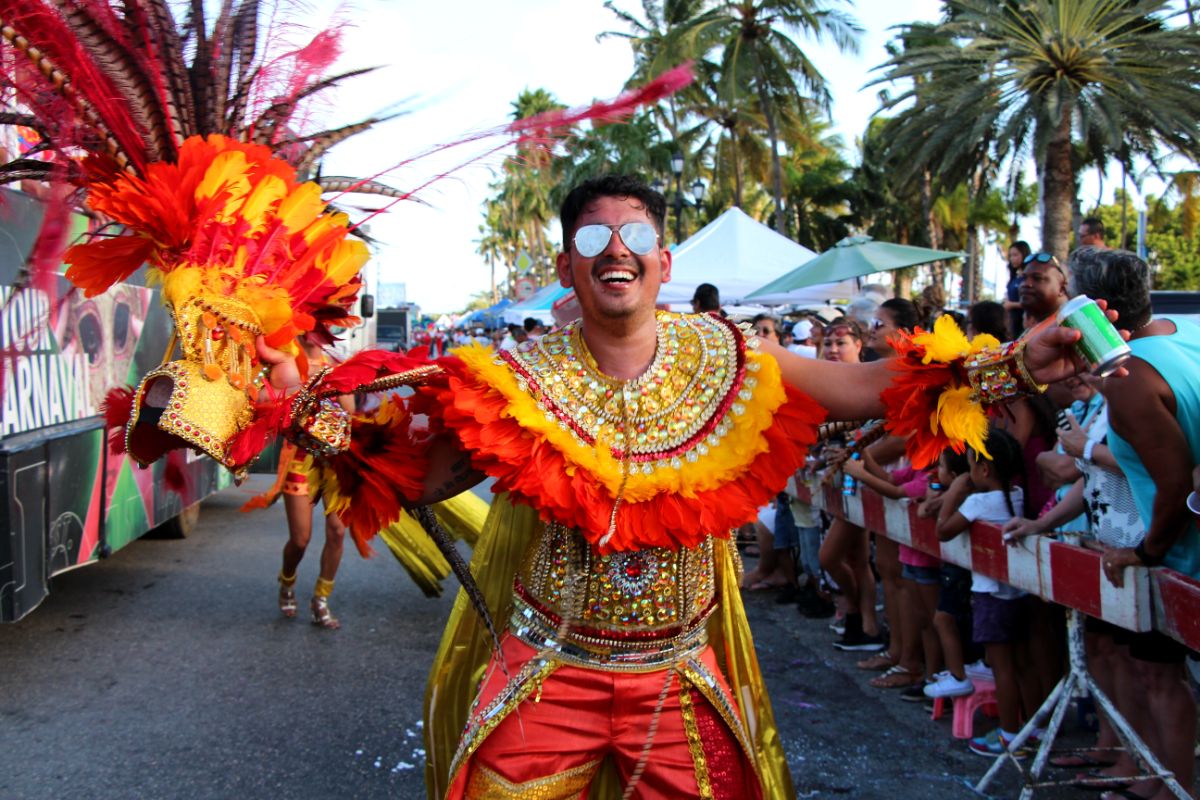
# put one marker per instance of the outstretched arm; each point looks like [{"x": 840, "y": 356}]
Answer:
[
  {"x": 450, "y": 471},
  {"x": 851, "y": 391}
]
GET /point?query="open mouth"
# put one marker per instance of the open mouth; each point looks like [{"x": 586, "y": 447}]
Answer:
[{"x": 618, "y": 277}]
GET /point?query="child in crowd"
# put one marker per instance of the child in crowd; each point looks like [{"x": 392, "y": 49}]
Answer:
[
  {"x": 916, "y": 591},
  {"x": 953, "y": 609},
  {"x": 991, "y": 492}
]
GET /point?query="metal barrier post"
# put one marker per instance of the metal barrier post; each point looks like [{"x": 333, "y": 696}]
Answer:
[{"x": 1056, "y": 705}]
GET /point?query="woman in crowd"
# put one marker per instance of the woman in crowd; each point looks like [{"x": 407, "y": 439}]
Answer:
[{"x": 1017, "y": 253}]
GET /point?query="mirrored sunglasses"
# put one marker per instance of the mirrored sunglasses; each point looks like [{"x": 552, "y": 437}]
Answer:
[
  {"x": 840, "y": 330},
  {"x": 1045, "y": 258},
  {"x": 639, "y": 237}
]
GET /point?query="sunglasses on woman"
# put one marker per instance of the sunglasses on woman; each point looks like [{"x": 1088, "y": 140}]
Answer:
[
  {"x": 841, "y": 330},
  {"x": 640, "y": 237}
]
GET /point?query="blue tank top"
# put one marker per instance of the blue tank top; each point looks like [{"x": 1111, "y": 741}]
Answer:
[{"x": 1176, "y": 357}]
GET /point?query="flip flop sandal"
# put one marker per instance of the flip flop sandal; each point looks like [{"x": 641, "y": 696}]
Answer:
[
  {"x": 896, "y": 678},
  {"x": 882, "y": 661}
]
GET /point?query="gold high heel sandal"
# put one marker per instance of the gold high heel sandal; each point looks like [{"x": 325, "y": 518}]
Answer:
[
  {"x": 287, "y": 596},
  {"x": 321, "y": 615}
]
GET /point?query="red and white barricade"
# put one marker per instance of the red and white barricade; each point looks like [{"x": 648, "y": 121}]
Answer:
[{"x": 1151, "y": 599}]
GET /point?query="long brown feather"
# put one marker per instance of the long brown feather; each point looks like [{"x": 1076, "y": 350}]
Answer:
[
  {"x": 245, "y": 46},
  {"x": 222, "y": 65},
  {"x": 153, "y": 19},
  {"x": 445, "y": 543},
  {"x": 61, "y": 83},
  {"x": 127, "y": 75},
  {"x": 200, "y": 71},
  {"x": 346, "y": 185},
  {"x": 263, "y": 128},
  {"x": 319, "y": 144}
]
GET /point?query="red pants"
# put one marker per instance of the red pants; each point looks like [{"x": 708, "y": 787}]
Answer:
[{"x": 553, "y": 743}]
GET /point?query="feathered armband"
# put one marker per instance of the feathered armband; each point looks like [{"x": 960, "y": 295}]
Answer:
[{"x": 946, "y": 386}]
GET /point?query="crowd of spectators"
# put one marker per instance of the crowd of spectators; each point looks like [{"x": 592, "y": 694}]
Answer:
[{"x": 1108, "y": 461}]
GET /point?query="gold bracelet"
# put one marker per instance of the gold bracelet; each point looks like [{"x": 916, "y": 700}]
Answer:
[{"x": 999, "y": 374}]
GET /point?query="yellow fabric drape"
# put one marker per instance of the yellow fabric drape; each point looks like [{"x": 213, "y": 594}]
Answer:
[{"x": 466, "y": 649}]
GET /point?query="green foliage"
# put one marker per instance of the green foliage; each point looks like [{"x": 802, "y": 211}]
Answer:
[{"x": 1173, "y": 255}]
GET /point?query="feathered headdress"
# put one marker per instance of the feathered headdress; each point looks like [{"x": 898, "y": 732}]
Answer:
[{"x": 201, "y": 163}]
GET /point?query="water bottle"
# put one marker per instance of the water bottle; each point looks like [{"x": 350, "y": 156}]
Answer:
[{"x": 849, "y": 484}]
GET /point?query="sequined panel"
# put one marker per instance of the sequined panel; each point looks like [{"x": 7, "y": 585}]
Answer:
[
  {"x": 646, "y": 590},
  {"x": 677, "y": 408},
  {"x": 568, "y": 785}
]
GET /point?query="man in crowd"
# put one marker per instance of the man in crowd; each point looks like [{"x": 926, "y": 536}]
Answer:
[
  {"x": 1154, "y": 418},
  {"x": 1091, "y": 233},
  {"x": 706, "y": 299},
  {"x": 534, "y": 329},
  {"x": 1043, "y": 287}
]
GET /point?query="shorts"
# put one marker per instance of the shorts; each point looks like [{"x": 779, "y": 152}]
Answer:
[
  {"x": 786, "y": 534},
  {"x": 998, "y": 621},
  {"x": 926, "y": 576},
  {"x": 954, "y": 591},
  {"x": 1152, "y": 646}
]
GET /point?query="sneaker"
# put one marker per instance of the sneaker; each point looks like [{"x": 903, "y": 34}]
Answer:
[
  {"x": 838, "y": 626},
  {"x": 994, "y": 744},
  {"x": 947, "y": 685},
  {"x": 979, "y": 670},
  {"x": 913, "y": 694},
  {"x": 817, "y": 608},
  {"x": 859, "y": 642}
]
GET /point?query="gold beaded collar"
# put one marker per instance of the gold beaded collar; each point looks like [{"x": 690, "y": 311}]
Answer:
[{"x": 676, "y": 409}]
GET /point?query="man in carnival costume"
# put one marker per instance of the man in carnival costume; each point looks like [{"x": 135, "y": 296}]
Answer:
[{"x": 625, "y": 447}]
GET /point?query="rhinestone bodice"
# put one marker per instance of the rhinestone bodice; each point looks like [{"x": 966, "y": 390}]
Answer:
[{"x": 654, "y": 589}]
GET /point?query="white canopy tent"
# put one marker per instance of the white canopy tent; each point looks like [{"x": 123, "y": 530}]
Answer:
[{"x": 738, "y": 255}]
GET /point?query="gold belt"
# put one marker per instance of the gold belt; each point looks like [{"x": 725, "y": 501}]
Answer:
[{"x": 597, "y": 650}]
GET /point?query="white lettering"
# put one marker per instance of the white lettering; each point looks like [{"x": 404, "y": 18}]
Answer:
[
  {"x": 24, "y": 394},
  {"x": 54, "y": 381},
  {"x": 12, "y": 422},
  {"x": 40, "y": 408}
]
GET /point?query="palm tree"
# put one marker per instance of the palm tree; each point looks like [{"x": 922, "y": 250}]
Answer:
[
  {"x": 1025, "y": 76},
  {"x": 759, "y": 58}
]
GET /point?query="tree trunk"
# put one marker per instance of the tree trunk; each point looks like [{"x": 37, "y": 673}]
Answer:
[
  {"x": 937, "y": 270},
  {"x": 971, "y": 281},
  {"x": 764, "y": 100},
  {"x": 903, "y": 285},
  {"x": 1058, "y": 187},
  {"x": 737, "y": 168}
]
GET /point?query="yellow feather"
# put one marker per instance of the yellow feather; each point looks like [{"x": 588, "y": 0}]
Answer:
[
  {"x": 228, "y": 173},
  {"x": 961, "y": 419},
  {"x": 256, "y": 210},
  {"x": 301, "y": 206}
]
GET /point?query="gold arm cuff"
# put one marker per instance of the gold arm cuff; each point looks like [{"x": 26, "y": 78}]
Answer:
[{"x": 999, "y": 374}]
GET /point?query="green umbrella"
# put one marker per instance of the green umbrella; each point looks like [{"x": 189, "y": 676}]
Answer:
[{"x": 850, "y": 258}]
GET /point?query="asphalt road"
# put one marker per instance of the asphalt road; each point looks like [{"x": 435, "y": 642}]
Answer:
[{"x": 167, "y": 672}]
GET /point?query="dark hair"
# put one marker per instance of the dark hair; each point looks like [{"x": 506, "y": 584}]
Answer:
[
  {"x": 988, "y": 316},
  {"x": 903, "y": 311},
  {"x": 707, "y": 297},
  {"x": 1093, "y": 226},
  {"x": 956, "y": 462},
  {"x": 1024, "y": 249},
  {"x": 609, "y": 186},
  {"x": 1008, "y": 462},
  {"x": 531, "y": 323},
  {"x": 1118, "y": 276}
]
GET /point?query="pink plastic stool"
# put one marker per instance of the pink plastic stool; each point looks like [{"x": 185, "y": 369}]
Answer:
[{"x": 965, "y": 707}]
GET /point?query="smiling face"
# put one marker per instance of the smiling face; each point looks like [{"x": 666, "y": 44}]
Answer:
[
  {"x": 617, "y": 284},
  {"x": 1043, "y": 289}
]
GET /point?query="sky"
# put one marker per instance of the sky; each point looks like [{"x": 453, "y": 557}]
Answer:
[{"x": 456, "y": 68}]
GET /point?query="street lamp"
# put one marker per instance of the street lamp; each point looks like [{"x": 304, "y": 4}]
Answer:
[{"x": 677, "y": 168}]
